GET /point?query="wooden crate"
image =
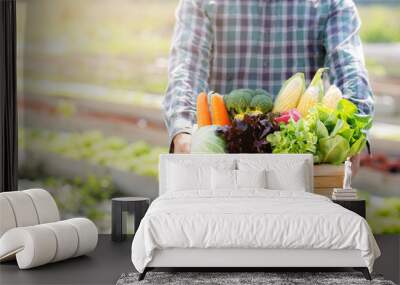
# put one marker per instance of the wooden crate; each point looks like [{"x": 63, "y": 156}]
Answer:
[{"x": 327, "y": 177}]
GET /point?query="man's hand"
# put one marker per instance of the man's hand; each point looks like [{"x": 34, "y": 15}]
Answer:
[
  {"x": 182, "y": 143},
  {"x": 355, "y": 164}
]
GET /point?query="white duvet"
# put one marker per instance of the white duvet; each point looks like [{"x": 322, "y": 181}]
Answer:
[{"x": 250, "y": 219}]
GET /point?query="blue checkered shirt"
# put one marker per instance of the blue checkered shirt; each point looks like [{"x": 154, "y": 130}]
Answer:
[{"x": 221, "y": 45}]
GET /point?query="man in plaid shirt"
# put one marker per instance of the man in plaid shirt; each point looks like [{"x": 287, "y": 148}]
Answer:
[{"x": 222, "y": 45}]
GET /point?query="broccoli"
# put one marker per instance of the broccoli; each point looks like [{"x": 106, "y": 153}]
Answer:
[
  {"x": 260, "y": 91},
  {"x": 238, "y": 101},
  {"x": 247, "y": 101},
  {"x": 261, "y": 104}
]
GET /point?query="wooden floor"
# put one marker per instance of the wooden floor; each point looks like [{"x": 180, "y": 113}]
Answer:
[{"x": 110, "y": 260}]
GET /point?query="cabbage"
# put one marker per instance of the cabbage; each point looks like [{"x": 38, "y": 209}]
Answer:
[
  {"x": 206, "y": 140},
  {"x": 333, "y": 150},
  {"x": 341, "y": 132}
]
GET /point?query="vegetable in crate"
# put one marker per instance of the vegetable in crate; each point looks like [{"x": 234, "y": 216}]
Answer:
[
  {"x": 247, "y": 101},
  {"x": 286, "y": 116},
  {"x": 333, "y": 150},
  {"x": 313, "y": 93},
  {"x": 261, "y": 103},
  {"x": 206, "y": 140},
  {"x": 238, "y": 102},
  {"x": 220, "y": 115},
  {"x": 290, "y": 94},
  {"x": 248, "y": 135},
  {"x": 341, "y": 131},
  {"x": 295, "y": 137},
  {"x": 332, "y": 97},
  {"x": 203, "y": 115}
]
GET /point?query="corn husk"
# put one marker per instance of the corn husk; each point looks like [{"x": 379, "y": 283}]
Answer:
[
  {"x": 289, "y": 94},
  {"x": 309, "y": 99},
  {"x": 313, "y": 94},
  {"x": 332, "y": 97}
]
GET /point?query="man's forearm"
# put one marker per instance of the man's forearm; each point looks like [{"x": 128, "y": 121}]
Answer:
[
  {"x": 178, "y": 125},
  {"x": 345, "y": 57},
  {"x": 188, "y": 67}
]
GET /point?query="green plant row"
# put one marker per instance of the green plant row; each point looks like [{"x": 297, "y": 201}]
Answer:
[
  {"x": 383, "y": 217},
  {"x": 96, "y": 148}
]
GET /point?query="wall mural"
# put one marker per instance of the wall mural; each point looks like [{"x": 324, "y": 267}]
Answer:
[{"x": 90, "y": 85}]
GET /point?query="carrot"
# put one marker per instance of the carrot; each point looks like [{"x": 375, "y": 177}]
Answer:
[
  {"x": 219, "y": 113},
  {"x": 203, "y": 115}
]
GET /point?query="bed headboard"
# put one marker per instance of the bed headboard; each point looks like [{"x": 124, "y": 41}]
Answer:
[{"x": 213, "y": 158}]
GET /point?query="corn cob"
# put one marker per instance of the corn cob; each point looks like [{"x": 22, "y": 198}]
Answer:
[
  {"x": 332, "y": 97},
  {"x": 289, "y": 94},
  {"x": 313, "y": 94},
  {"x": 308, "y": 100}
]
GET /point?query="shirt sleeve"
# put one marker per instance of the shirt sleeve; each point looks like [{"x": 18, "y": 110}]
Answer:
[
  {"x": 345, "y": 56},
  {"x": 188, "y": 66}
]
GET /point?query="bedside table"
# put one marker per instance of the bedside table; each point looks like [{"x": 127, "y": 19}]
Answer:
[
  {"x": 356, "y": 206},
  {"x": 136, "y": 206}
]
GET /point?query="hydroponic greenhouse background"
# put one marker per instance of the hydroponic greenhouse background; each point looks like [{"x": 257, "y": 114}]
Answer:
[{"x": 91, "y": 82}]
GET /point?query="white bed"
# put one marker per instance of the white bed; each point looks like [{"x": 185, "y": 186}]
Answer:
[{"x": 249, "y": 227}]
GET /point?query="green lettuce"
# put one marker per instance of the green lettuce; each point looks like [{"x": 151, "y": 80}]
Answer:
[
  {"x": 341, "y": 133},
  {"x": 333, "y": 150},
  {"x": 294, "y": 137},
  {"x": 321, "y": 130}
]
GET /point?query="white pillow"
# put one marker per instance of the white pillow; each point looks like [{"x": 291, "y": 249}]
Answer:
[
  {"x": 223, "y": 179},
  {"x": 296, "y": 181},
  {"x": 282, "y": 174},
  {"x": 183, "y": 177},
  {"x": 226, "y": 179},
  {"x": 251, "y": 178}
]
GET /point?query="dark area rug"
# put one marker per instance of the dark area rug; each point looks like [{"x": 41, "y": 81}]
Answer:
[{"x": 231, "y": 278}]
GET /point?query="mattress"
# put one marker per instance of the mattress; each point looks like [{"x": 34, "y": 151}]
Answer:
[{"x": 250, "y": 219}]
